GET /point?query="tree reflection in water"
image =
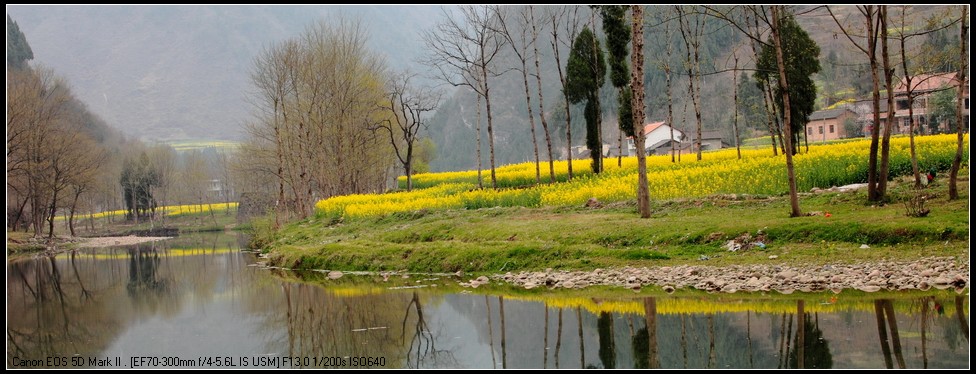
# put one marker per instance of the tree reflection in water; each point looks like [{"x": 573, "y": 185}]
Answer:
[
  {"x": 810, "y": 349},
  {"x": 88, "y": 303}
]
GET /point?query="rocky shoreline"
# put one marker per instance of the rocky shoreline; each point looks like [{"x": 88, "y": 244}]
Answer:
[{"x": 922, "y": 274}]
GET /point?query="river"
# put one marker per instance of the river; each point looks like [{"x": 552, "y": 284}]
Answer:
[{"x": 199, "y": 301}]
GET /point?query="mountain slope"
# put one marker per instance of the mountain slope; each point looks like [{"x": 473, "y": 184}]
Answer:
[{"x": 178, "y": 72}]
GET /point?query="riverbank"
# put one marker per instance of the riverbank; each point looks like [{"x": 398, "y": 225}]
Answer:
[{"x": 719, "y": 232}]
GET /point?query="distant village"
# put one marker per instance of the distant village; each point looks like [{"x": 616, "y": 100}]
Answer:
[{"x": 842, "y": 120}]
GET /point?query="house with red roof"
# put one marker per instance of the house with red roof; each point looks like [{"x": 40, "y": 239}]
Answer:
[{"x": 656, "y": 134}]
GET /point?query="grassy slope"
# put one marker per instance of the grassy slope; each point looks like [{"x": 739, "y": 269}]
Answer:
[{"x": 504, "y": 239}]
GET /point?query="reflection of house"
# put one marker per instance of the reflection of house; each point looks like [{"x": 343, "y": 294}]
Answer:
[{"x": 828, "y": 124}]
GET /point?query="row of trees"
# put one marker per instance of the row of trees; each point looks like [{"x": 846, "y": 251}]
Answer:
[
  {"x": 785, "y": 64},
  {"x": 330, "y": 119},
  {"x": 54, "y": 148},
  {"x": 63, "y": 160}
]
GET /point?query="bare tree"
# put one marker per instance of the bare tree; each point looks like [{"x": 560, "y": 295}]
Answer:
[
  {"x": 407, "y": 106},
  {"x": 515, "y": 24},
  {"x": 735, "y": 100},
  {"x": 316, "y": 115},
  {"x": 458, "y": 46},
  {"x": 872, "y": 24},
  {"x": 890, "y": 122},
  {"x": 692, "y": 39},
  {"x": 960, "y": 98},
  {"x": 570, "y": 25},
  {"x": 667, "y": 73},
  {"x": 754, "y": 33},
  {"x": 787, "y": 125},
  {"x": 538, "y": 81}
]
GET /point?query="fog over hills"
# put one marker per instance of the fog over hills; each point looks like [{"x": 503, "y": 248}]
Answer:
[{"x": 182, "y": 72}]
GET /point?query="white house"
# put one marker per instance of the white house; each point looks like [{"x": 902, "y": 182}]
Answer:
[{"x": 655, "y": 135}]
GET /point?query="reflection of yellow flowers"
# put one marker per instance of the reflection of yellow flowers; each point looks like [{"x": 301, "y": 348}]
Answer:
[
  {"x": 685, "y": 305},
  {"x": 758, "y": 172},
  {"x": 172, "y": 210},
  {"x": 354, "y": 291},
  {"x": 174, "y": 252}
]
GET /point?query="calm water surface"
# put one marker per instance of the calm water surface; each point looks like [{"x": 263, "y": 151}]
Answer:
[{"x": 198, "y": 301}]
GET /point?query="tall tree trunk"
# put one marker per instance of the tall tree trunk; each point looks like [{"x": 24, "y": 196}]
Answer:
[
  {"x": 960, "y": 97},
  {"x": 491, "y": 133},
  {"x": 889, "y": 72},
  {"x": 910, "y": 96},
  {"x": 620, "y": 149},
  {"x": 637, "y": 108},
  {"x": 735, "y": 100},
  {"x": 766, "y": 104},
  {"x": 685, "y": 30},
  {"x": 806, "y": 142},
  {"x": 776, "y": 128},
  {"x": 562, "y": 81},
  {"x": 478, "y": 150},
  {"x": 595, "y": 98},
  {"x": 54, "y": 211},
  {"x": 542, "y": 112},
  {"x": 771, "y": 122},
  {"x": 873, "y": 192},
  {"x": 787, "y": 124},
  {"x": 408, "y": 166},
  {"x": 528, "y": 106},
  {"x": 71, "y": 213},
  {"x": 20, "y": 214},
  {"x": 667, "y": 74}
]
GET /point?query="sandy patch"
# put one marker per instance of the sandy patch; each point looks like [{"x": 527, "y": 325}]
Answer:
[{"x": 109, "y": 241}]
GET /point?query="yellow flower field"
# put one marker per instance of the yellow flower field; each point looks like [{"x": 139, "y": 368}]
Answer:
[{"x": 758, "y": 172}]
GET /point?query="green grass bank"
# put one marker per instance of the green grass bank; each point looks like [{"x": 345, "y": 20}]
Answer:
[{"x": 679, "y": 232}]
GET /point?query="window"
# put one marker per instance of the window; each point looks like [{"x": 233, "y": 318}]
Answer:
[
  {"x": 819, "y": 129},
  {"x": 831, "y": 129},
  {"x": 809, "y": 130},
  {"x": 902, "y": 104}
]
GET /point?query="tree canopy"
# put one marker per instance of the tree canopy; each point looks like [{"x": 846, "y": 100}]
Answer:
[
  {"x": 586, "y": 73},
  {"x": 586, "y": 68}
]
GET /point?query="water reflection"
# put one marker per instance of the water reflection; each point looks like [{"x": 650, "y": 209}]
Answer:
[{"x": 198, "y": 296}]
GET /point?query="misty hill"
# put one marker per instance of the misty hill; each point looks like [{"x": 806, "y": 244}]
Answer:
[{"x": 182, "y": 72}]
